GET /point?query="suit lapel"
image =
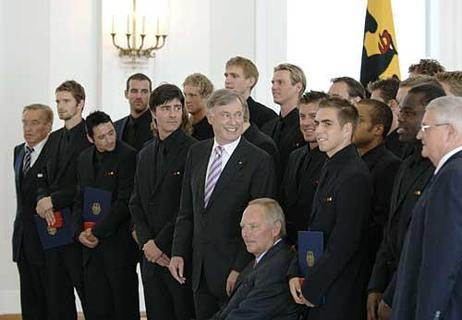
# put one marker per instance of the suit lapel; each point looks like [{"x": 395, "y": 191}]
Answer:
[
  {"x": 149, "y": 167},
  {"x": 405, "y": 187},
  {"x": 18, "y": 165},
  {"x": 236, "y": 162},
  {"x": 120, "y": 130}
]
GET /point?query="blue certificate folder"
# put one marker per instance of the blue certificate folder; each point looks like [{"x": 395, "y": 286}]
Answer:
[
  {"x": 96, "y": 204},
  {"x": 55, "y": 237},
  {"x": 310, "y": 249}
]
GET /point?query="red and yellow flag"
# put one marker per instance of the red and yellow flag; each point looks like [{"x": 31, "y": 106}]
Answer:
[{"x": 380, "y": 53}]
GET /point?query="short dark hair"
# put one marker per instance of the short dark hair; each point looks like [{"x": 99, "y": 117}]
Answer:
[
  {"x": 94, "y": 119},
  {"x": 427, "y": 66},
  {"x": 74, "y": 88},
  {"x": 167, "y": 92},
  {"x": 164, "y": 93},
  {"x": 355, "y": 88},
  {"x": 427, "y": 92},
  {"x": 380, "y": 114},
  {"x": 388, "y": 88},
  {"x": 346, "y": 111},
  {"x": 139, "y": 77},
  {"x": 313, "y": 96}
]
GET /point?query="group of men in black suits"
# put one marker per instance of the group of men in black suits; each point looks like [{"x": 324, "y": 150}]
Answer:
[{"x": 190, "y": 207}]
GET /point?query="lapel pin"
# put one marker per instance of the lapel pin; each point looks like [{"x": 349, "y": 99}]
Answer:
[
  {"x": 39, "y": 175},
  {"x": 110, "y": 173},
  {"x": 329, "y": 199},
  {"x": 240, "y": 162},
  {"x": 176, "y": 173},
  {"x": 417, "y": 192}
]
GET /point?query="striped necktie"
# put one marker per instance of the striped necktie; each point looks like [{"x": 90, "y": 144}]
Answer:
[
  {"x": 27, "y": 159},
  {"x": 214, "y": 173}
]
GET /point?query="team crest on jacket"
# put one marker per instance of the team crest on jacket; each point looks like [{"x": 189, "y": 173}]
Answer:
[
  {"x": 310, "y": 258},
  {"x": 96, "y": 208}
]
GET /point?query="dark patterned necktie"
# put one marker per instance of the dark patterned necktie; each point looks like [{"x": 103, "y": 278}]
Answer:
[{"x": 27, "y": 159}]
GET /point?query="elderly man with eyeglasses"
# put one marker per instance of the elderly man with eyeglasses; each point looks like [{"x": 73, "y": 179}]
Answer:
[
  {"x": 429, "y": 283},
  {"x": 410, "y": 182}
]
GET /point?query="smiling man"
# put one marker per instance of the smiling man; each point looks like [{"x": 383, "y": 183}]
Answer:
[
  {"x": 301, "y": 178},
  {"x": 410, "y": 181},
  {"x": 155, "y": 203},
  {"x": 334, "y": 286},
  {"x": 261, "y": 290},
  {"x": 428, "y": 282},
  {"x": 221, "y": 176},
  {"x": 135, "y": 129},
  {"x": 109, "y": 252}
]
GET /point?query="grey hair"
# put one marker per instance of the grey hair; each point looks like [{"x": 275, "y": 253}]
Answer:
[
  {"x": 273, "y": 212},
  {"x": 447, "y": 109},
  {"x": 223, "y": 97}
]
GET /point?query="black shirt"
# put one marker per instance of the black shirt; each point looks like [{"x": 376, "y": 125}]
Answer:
[
  {"x": 164, "y": 147},
  {"x": 394, "y": 145},
  {"x": 285, "y": 132},
  {"x": 68, "y": 138},
  {"x": 259, "y": 113},
  {"x": 202, "y": 130},
  {"x": 264, "y": 142},
  {"x": 138, "y": 130}
]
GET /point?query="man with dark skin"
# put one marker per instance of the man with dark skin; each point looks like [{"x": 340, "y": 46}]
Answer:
[
  {"x": 374, "y": 122},
  {"x": 411, "y": 179}
]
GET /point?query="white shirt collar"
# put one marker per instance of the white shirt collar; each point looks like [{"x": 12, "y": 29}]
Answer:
[
  {"x": 37, "y": 149},
  {"x": 445, "y": 158},
  {"x": 228, "y": 148},
  {"x": 257, "y": 259}
]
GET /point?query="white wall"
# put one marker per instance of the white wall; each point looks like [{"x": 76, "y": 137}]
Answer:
[
  {"x": 54, "y": 40},
  {"x": 49, "y": 41},
  {"x": 25, "y": 66},
  {"x": 336, "y": 50},
  {"x": 444, "y": 30}
]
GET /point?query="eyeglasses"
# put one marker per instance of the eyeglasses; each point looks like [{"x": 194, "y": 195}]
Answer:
[{"x": 425, "y": 127}]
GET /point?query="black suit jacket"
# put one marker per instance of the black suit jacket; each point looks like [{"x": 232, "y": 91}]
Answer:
[
  {"x": 262, "y": 291},
  {"x": 259, "y": 113},
  {"x": 410, "y": 181},
  {"x": 264, "y": 142},
  {"x": 383, "y": 166},
  {"x": 214, "y": 232},
  {"x": 429, "y": 284},
  {"x": 144, "y": 131},
  {"x": 299, "y": 185},
  {"x": 25, "y": 236},
  {"x": 340, "y": 209},
  {"x": 116, "y": 176},
  {"x": 60, "y": 181},
  {"x": 155, "y": 201}
]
